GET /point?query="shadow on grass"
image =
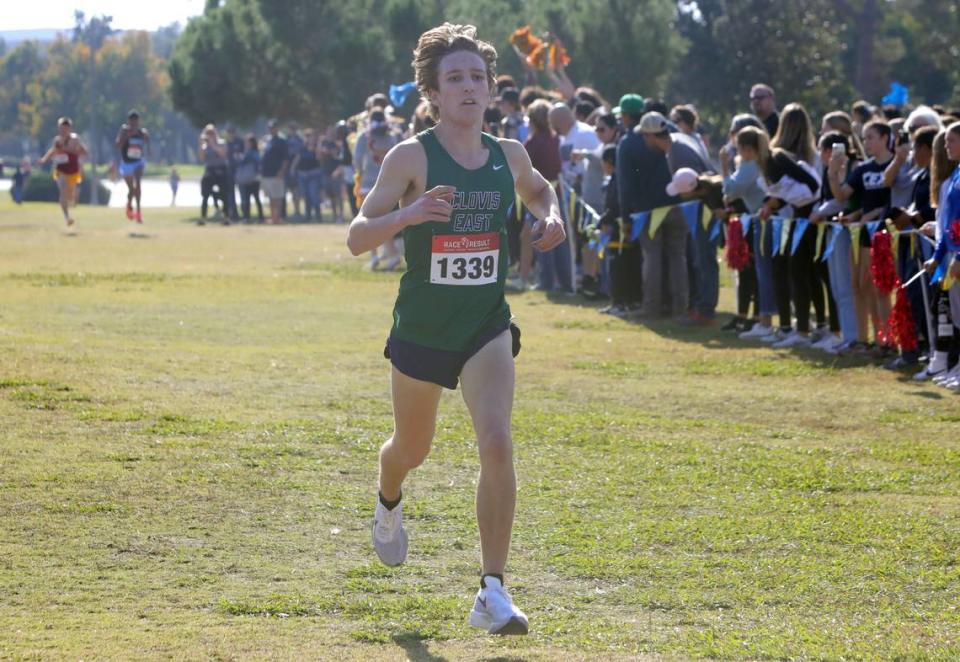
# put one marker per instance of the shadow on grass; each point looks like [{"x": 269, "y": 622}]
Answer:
[
  {"x": 929, "y": 395},
  {"x": 415, "y": 649},
  {"x": 140, "y": 235},
  {"x": 712, "y": 338}
]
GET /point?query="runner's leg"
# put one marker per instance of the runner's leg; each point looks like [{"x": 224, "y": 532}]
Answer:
[
  {"x": 415, "y": 414},
  {"x": 131, "y": 187},
  {"x": 137, "y": 178},
  {"x": 66, "y": 195},
  {"x": 487, "y": 381}
]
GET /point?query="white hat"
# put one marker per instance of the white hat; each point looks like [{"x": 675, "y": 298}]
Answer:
[
  {"x": 653, "y": 122},
  {"x": 684, "y": 181}
]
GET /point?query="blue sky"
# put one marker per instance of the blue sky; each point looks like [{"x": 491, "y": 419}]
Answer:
[{"x": 127, "y": 14}]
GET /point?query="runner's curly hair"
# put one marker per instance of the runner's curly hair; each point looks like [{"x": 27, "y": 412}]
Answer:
[{"x": 437, "y": 43}]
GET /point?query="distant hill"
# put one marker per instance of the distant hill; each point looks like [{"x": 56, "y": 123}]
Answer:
[{"x": 14, "y": 37}]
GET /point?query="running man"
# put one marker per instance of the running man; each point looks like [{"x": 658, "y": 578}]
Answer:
[
  {"x": 454, "y": 185},
  {"x": 133, "y": 141},
  {"x": 65, "y": 152}
]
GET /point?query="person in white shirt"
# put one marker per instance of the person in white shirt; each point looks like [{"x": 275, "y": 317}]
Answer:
[{"x": 574, "y": 135}]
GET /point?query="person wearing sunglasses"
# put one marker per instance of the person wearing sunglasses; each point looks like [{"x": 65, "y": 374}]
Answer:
[{"x": 763, "y": 103}]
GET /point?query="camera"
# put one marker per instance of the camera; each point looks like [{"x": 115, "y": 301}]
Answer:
[{"x": 903, "y": 138}]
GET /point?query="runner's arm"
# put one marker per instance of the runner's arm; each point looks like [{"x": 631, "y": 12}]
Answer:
[
  {"x": 379, "y": 220},
  {"x": 81, "y": 149},
  {"x": 49, "y": 155}
]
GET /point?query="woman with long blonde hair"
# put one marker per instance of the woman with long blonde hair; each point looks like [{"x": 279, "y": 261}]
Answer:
[{"x": 794, "y": 185}]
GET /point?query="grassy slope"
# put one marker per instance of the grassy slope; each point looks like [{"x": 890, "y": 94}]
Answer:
[{"x": 190, "y": 421}]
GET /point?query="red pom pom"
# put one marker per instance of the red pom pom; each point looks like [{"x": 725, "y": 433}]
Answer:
[
  {"x": 882, "y": 268},
  {"x": 954, "y": 232},
  {"x": 901, "y": 328},
  {"x": 738, "y": 251}
]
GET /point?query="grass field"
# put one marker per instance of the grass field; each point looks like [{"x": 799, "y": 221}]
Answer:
[{"x": 190, "y": 418}]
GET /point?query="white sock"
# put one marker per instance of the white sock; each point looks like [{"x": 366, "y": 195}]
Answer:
[{"x": 939, "y": 362}]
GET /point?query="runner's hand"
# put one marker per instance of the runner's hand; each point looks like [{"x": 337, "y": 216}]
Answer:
[
  {"x": 550, "y": 233},
  {"x": 435, "y": 205}
]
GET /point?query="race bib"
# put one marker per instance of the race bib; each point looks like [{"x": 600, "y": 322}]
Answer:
[
  {"x": 61, "y": 158},
  {"x": 471, "y": 259},
  {"x": 134, "y": 152}
]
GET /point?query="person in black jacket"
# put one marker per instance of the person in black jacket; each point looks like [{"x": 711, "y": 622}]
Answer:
[
  {"x": 626, "y": 287},
  {"x": 642, "y": 178}
]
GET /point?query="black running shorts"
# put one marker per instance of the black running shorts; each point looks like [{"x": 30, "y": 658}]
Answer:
[{"x": 440, "y": 366}]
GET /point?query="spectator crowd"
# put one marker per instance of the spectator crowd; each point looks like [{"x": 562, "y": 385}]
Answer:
[{"x": 841, "y": 236}]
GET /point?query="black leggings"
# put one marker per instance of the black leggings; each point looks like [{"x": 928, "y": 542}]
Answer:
[
  {"x": 215, "y": 177},
  {"x": 821, "y": 289},
  {"x": 747, "y": 284},
  {"x": 626, "y": 275},
  {"x": 248, "y": 191},
  {"x": 803, "y": 276},
  {"x": 781, "y": 288}
]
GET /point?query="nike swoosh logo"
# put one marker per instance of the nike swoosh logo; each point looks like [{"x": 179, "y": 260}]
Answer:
[
  {"x": 482, "y": 601},
  {"x": 497, "y": 167}
]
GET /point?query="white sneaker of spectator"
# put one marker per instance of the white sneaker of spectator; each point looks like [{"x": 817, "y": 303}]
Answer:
[
  {"x": 818, "y": 334},
  {"x": 757, "y": 331},
  {"x": 946, "y": 376},
  {"x": 936, "y": 367},
  {"x": 775, "y": 336},
  {"x": 950, "y": 379},
  {"x": 826, "y": 342},
  {"x": 793, "y": 339},
  {"x": 840, "y": 347},
  {"x": 616, "y": 311}
]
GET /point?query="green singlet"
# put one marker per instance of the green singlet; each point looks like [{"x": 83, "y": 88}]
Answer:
[{"x": 452, "y": 291}]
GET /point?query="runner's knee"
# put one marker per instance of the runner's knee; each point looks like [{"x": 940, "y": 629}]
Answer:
[
  {"x": 495, "y": 446},
  {"x": 412, "y": 449}
]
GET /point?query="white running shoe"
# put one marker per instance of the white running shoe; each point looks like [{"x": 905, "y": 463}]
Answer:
[
  {"x": 793, "y": 339},
  {"x": 374, "y": 262},
  {"x": 757, "y": 331},
  {"x": 389, "y": 537},
  {"x": 775, "y": 336},
  {"x": 494, "y": 611}
]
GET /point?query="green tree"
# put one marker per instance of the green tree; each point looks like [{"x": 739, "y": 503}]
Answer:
[
  {"x": 129, "y": 75},
  {"x": 794, "y": 47},
  {"x": 320, "y": 60},
  {"x": 219, "y": 68},
  {"x": 18, "y": 69},
  {"x": 912, "y": 41}
]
